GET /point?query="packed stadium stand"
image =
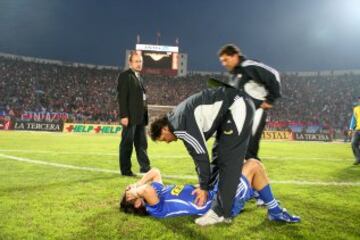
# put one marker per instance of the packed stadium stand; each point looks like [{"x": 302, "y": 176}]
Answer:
[{"x": 87, "y": 93}]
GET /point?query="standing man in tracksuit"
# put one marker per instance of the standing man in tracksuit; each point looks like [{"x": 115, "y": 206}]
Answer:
[
  {"x": 226, "y": 111},
  {"x": 259, "y": 81}
]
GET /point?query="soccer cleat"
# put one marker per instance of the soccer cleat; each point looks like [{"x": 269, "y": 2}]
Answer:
[
  {"x": 209, "y": 218},
  {"x": 228, "y": 220},
  {"x": 356, "y": 163},
  {"x": 284, "y": 216}
]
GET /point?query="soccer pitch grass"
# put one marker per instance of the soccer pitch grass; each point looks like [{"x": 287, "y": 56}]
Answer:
[{"x": 316, "y": 181}]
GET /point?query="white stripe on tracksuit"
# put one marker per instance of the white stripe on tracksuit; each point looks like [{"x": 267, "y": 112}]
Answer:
[
  {"x": 238, "y": 111},
  {"x": 259, "y": 64},
  {"x": 191, "y": 140},
  {"x": 257, "y": 118}
]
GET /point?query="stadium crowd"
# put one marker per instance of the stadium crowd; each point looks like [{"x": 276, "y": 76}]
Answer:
[
  {"x": 317, "y": 100},
  {"x": 88, "y": 94}
]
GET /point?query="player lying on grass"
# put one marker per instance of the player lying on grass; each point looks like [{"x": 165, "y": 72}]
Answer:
[{"x": 149, "y": 196}]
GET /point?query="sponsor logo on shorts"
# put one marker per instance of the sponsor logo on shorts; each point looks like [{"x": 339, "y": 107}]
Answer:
[{"x": 228, "y": 132}]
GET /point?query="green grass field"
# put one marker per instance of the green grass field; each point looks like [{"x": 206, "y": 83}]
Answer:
[{"x": 40, "y": 201}]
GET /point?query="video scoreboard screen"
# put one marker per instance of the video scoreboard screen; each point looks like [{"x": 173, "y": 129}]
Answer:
[{"x": 160, "y": 60}]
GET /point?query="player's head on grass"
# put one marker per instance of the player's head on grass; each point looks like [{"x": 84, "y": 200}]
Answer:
[
  {"x": 131, "y": 205},
  {"x": 160, "y": 130}
]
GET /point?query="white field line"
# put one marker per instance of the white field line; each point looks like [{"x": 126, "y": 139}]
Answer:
[
  {"x": 58, "y": 165},
  {"x": 182, "y": 177},
  {"x": 279, "y": 158}
]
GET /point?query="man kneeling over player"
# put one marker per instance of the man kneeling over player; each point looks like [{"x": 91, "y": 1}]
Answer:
[{"x": 149, "y": 196}]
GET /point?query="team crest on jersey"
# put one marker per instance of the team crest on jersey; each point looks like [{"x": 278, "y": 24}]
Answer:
[{"x": 177, "y": 190}]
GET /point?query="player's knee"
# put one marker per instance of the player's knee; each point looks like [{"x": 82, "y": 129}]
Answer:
[
  {"x": 252, "y": 162},
  {"x": 255, "y": 165}
]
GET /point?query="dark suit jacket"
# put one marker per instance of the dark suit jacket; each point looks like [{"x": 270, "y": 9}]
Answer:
[{"x": 130, "y": 98}]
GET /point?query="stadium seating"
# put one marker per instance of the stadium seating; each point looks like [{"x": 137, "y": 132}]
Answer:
[{"x": 88, "y": 94}]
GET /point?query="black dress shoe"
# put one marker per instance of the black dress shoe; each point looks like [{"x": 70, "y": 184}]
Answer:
[
  {"x": 145, "y": 171},
  {"x": 129, "y": 174}
]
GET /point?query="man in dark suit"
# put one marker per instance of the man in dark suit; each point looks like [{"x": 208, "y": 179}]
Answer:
[{"x": 134, "y": 116}]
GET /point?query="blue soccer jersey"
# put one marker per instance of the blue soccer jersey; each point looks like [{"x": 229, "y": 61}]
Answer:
[{"x": 177, "y": 200}]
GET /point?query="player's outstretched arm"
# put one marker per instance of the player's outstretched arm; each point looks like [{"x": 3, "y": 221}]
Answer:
[{"x": 153, "y": 175}]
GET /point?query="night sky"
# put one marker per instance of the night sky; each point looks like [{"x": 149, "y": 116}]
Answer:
[{"x": 290, "y": 35}]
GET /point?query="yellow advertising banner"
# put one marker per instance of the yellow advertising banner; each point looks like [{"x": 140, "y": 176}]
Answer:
[{"x": 277, "y": 135}]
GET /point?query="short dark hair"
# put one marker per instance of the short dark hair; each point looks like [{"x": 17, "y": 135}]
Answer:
[
  {"x": 157, "y": 125},
  {"x": 131, "y": 54},
  {"x": 230, "y": 50},
  {"x": 128, "y": 207}
]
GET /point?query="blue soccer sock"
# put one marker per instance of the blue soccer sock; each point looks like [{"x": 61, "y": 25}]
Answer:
[{"x": 270, "y": 202}]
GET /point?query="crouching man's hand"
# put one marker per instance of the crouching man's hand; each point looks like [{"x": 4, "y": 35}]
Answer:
[
  {"x": 201, "y": 196},
  {"x": 266, "y": 105}
]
